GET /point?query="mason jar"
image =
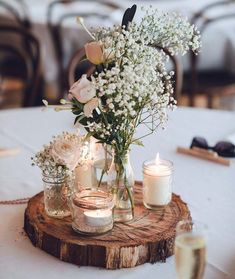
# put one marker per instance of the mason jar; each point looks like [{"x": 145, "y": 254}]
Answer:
[
  {"x": 92, "y": 212},
  {"x": 57, "y": 192}
]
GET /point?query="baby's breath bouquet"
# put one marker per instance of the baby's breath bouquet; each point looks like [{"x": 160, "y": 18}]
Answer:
[
  {"x": 57, "y": 160},
  {"x": 130, "y": 85}
]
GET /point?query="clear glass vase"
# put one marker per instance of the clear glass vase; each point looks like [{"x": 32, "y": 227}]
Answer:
[
  {"x": 121, "y": 183},
  {"x": 57, "y": 192}
]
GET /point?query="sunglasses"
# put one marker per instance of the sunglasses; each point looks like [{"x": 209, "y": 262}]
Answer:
[{"x": 222, "y": 148}]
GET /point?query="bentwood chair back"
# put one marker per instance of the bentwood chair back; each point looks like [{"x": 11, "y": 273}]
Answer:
[
  {"x": 26, "y": 58},
  {"x": 77, "y": 67},
  {"x": 55, "y": 29},
  {"x": 16, "y": 11},
  {"x": 213, "y": 83}
]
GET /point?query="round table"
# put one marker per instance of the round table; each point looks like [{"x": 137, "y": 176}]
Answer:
[{"x": 208, "y": 188}]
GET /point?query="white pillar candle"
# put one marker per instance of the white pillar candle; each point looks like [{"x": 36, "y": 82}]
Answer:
[
  {"x": 96, "y": 218},
  {"x": 85, "y": 176},
  {"x": 157, "y": 180}
]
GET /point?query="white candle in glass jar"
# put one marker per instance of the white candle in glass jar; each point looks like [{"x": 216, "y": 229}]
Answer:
[
  {"x": 96, "y": 218},
  {"x": 85, "y": 176},
  {"x": 157, "y": 180}
]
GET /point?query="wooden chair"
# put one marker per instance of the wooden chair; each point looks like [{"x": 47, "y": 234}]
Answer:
[
  {"x": 213, "y": 83},
  {"x": 18, "y": 17},
  {"x": 76, "y": 68},
  {"x": 56, "y": 30},
  {"x": 28, "y": 59}
]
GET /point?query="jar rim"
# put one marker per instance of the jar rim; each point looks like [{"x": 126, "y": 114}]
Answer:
[
  {"x": 167, "y": 163},
  {"x": 55, "y": 179},
  {"x": 93, "y": 199}
]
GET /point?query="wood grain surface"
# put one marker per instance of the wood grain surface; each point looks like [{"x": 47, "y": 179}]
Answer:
[{"x": 149, "y": 237}]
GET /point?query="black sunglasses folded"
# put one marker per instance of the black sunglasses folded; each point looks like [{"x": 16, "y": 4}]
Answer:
[{"x": 222, "y": 148}]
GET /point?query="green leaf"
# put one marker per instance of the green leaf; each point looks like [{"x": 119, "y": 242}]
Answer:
[
  {"x": 138, "y": 142},
  {"x": 88, "y": 135},
  {"x": 79, "y": 118}
]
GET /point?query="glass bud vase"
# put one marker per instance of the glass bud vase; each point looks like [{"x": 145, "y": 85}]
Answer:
[
  {"x": 57, "y": 192},
  {"x": 121, "y": 183}
]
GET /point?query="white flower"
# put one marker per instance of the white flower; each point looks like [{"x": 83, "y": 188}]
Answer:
[
  {"x": 83, "y": 90},
  {"x": 66, "y": 152},
  {"x": 90, "y": 106},
  {"x": 61, "y": 155},
  {"x": 136, "y": 88}
]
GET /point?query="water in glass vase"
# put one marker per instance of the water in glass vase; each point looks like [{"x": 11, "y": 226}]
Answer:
[
  {"x": 123, "y": 210},
  {"x": 101, "y": 166},
  {"x": 190, "y": 256},
  {"x": 57, "y": 195},
  {"x": 121, "y": 183}
]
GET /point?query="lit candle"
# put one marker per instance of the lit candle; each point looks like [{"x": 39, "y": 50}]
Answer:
[
  {"x": 96, "y": 218},
  {"x": 85, "y": 176},
  {"x": 92, "y": 212},
  {"x": 157, "y": 183},
  {"x": 85, "y": 173}
]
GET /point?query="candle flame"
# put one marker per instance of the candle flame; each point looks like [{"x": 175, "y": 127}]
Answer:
[{"x": 157, "y": 160}]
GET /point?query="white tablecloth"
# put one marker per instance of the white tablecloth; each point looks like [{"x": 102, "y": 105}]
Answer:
[{"x": 208, "y": 189}]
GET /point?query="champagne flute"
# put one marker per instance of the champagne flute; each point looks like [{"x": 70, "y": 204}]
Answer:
[{"x": 190, "y": 250}]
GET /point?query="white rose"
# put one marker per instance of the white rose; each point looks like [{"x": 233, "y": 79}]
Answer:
[
  {"x": 90, "y": 106},
  {"x": 66, "y": 152},
  {"x": 83, "y": 90}
]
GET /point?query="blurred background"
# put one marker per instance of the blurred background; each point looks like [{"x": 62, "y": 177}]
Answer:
[{"x": 41, "y": 45}]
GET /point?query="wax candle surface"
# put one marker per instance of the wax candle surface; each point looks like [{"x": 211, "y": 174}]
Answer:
[
  {"x": 98, "y": 217},
  {"x": 157, "y": 184},
  {"x": 85, "y": 176}
]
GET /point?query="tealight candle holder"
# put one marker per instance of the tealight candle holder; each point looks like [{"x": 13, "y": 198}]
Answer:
[
  {"x": 157, "y": 183},
  {"x": 92, "y": 212}
]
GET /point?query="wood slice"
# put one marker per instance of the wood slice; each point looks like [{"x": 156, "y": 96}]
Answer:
[{"x": 149, "y": 237}]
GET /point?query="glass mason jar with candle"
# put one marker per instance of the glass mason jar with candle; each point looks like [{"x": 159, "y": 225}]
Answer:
[
  {"x": 121, "y": 183},
  {"x": 92, "y": 212},
  {"x": 57, "y": 192},
  {"x": 92, "y": 173},
  {"x": 157, "y": 183}
]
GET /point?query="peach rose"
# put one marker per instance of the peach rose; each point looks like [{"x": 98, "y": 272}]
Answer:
[
  {"x": 66, "y": 152},
  {"x": 94, "y": 52},
  {"x": 83, "y": 90},
  {"x": 90, "y": 106}
]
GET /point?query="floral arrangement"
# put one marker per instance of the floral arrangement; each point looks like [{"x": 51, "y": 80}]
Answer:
[
  {"x": 61, "y": 155},
  {"x": 130, "y": 85}
]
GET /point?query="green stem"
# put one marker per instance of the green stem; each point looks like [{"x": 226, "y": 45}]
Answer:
[
  {"x": 129, "y": 195},
  {"x": 101, "y": 177},
  {"x": 119, "y": 162}
]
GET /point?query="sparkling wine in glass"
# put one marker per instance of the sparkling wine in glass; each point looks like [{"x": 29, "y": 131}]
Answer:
[{"x": 190, "y": 250}]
